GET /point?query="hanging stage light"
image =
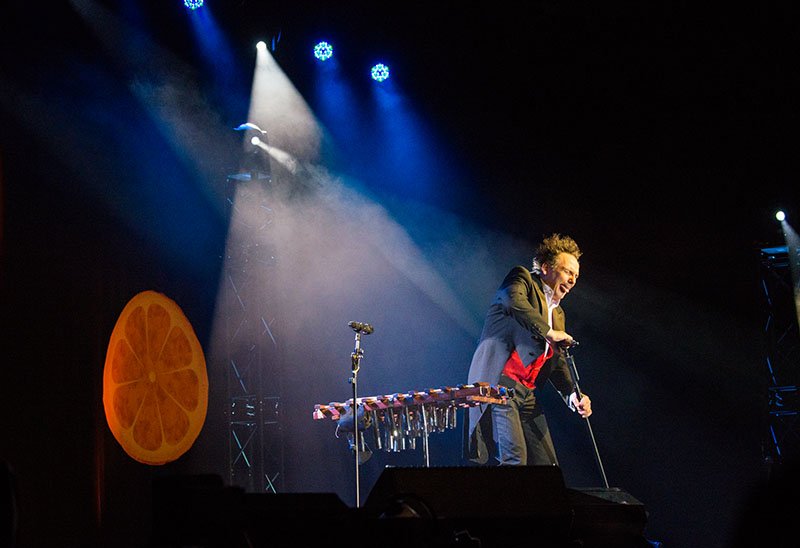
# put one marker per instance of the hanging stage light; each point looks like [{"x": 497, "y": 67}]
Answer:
[
  {"x": 193, "y": 4},
  {"x": 248, "y": 125},
  {"x": 380, "y": 72},
  {"x": 323, "y": 51},
  {"x": 780, "y": 215}
]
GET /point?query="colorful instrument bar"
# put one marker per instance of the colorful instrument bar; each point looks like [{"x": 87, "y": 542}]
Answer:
[{"x": 465, "y": 395}]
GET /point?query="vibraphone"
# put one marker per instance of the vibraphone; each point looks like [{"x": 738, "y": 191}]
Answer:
[{"x": 395, "y": 421}]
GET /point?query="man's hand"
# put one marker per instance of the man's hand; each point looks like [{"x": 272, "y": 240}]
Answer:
[
  {"x": 558, "y": 339},
  {"x": 583, "y": 407}
]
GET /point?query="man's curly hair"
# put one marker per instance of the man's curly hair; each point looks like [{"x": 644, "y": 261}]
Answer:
[{"x": 550, "y": 247}]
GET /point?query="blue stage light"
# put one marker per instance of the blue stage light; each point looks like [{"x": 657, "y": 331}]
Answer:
[
  {"x": 193, "y": 4},
  {"x": 380, "y": 72},
  {"x": 323, "y": 51}
]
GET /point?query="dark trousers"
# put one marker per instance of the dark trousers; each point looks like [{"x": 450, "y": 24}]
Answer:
[{"x": 521, "y": 434}]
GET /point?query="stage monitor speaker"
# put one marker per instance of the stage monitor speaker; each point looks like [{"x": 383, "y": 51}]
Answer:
[
  {"x": 473, "y": 505},
  {"x": 607, "y": 517},
  {"x": 199, "y": 510}
]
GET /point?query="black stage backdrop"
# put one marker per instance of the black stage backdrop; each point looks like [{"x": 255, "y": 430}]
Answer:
[{"x": 660, "y": 136}]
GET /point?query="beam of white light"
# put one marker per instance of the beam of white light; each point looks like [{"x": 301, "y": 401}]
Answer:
[
  {"x": 389, "y": 238},
  {"x": 278, "y": 108},
  {"x": 294, "y": 140},
  {"x": 285, "y": 159},
  {"x": 395, "y": 245}
]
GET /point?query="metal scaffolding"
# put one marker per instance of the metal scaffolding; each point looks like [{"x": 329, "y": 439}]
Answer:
[
  {"x": 782, "y": 356},
  {"x": 255, "y": 441}
]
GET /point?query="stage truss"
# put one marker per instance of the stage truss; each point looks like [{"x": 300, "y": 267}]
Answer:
[{"x": 782, "y": 356}]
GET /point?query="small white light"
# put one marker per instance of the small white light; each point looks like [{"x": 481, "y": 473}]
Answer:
[
  {"x": 780, "y": 215},
  {"x": 255, "y": 140},
  {"x": 261, "y": 45}
]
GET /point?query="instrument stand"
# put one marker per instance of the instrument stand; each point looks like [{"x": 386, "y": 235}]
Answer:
[
  {"x": 574, "y": 370},
  {"x": 425, "y": 436}
]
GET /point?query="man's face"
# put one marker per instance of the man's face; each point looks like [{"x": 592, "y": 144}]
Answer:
[{"x": 563, "y": 277}]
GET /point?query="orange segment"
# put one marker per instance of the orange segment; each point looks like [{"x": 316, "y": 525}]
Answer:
[{"x": 155, "y": 383}]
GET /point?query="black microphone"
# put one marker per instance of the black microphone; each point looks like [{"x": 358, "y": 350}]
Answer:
[
  {"x": 360, "y": 327},
  {"x": 567, "y": 345}
]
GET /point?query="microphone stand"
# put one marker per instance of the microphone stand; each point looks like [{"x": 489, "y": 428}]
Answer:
[
  {"x": 355, "y": 358},
  {"x": 574, "y": 371}
]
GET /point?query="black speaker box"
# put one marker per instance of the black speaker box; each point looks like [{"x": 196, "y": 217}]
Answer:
[
  {"x": 504, "y": 506},
  {"x": 471, "y": 506},
  {"x": 607, "y": 517},
  {"x": 199, "y": 511}
]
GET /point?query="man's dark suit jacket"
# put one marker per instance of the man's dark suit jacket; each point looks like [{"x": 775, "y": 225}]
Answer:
[{"x": 516, "y": 319}]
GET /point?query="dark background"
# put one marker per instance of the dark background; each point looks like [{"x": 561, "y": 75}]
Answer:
[{"x": 661, "y": 136}]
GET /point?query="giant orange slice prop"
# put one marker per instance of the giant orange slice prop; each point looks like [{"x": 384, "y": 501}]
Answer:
[{"x": 155, "y": 383}]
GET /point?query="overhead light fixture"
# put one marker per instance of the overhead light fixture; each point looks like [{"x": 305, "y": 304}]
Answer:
[
  {"x": 249, "y": 125},
  {"x": 380, "y": 72},
  {"x": 323, "y": 51}
]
